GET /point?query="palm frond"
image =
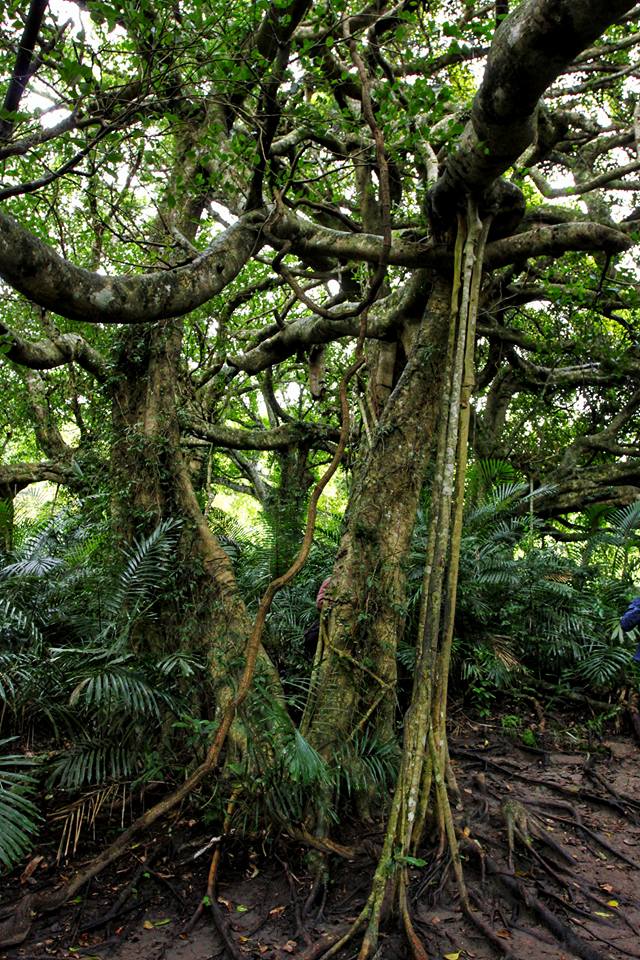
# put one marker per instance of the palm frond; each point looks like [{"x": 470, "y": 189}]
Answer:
[
  {"x": 18, "y": 814},
  {"x": 304, "y": 765},
  {"x": 180, "y": 664},
  {"x": 602, "y": 663},
  {"x": 98, "y": 760},
  {"x": 16, "y": 621},
  {"x": 80, "y": 815},
  {"x": 119, "y": 688},
  {"x": 146, "y": 568}
]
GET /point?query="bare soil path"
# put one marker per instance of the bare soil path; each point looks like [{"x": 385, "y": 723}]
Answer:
[{"x": 558, "y": 876}]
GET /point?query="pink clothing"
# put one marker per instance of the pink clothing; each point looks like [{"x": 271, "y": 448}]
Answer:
[{"x": 324, "y": 586}]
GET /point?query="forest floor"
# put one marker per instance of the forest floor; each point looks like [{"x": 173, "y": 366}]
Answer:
[{"x": 572, "y": 890}]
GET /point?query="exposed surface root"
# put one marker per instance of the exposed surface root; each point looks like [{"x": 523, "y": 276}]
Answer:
[{"x": 573, "y": 887}]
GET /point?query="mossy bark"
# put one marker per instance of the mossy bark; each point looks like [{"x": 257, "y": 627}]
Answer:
[
  {"x": 7, "y": 513},
  {"x": 355, "y": 686},
  {"x": 203, "y": 612},
  {"x": 286, "y": 506}
]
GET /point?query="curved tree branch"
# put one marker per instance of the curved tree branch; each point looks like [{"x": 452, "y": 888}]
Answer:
[
  {"x": 17, "y": 476},
  {"x": 37, "y": 271},
  {"x": 384, "y": 316},
  {"x": 531, "y": 47},
  {"x": 47, "y": 354},
  {"x": 554, "y": 241}
]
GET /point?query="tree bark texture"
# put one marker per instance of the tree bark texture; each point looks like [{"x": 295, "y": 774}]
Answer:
[
  {"x": 356, "y": 684},
  {"x": 151, "y": 483}
]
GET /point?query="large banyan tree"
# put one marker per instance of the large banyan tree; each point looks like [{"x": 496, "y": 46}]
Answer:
[{"x": 231, "y": 229}]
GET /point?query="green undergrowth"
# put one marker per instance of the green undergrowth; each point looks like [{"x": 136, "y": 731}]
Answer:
[{"x": 93, "y": 720}]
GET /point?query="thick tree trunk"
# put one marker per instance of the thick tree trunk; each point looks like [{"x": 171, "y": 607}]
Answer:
[
  {"x": 7, "y": 512},
  {"x": 204, "y": 612},
  {"x": 285, "y": 508},
  {"x": 355, "y": 687}
]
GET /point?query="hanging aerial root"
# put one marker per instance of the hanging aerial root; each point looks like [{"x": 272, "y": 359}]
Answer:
[
  {"x": 213, "y": 866},
  {"x": 418, "y": 952},
  {"x": 424, "y": 731}
]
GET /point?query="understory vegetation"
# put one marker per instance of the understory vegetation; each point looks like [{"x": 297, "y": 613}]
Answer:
[
  {"x": 297, "y": 292},
  {"x": 534, "y": 618}
]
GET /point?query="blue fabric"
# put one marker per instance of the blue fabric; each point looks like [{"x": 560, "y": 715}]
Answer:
[
  {"x": 631, "y": 618},
  {"x": 636, "y": 655}
]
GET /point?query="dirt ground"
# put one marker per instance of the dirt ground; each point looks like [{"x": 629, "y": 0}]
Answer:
[{"x": 571, "y": 890}]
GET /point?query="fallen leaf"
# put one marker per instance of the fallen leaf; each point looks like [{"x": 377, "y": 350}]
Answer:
[
  {"x": 504, "y": 934},
  {"x": 612, "y": 903},
  {"x": 452, "y": 956},
  {"x": 30, "y": 868},
  {"x": 600, "y": 913},
  {"x": 290, "y": 946},
  {"x": 607, "y": 887},
  {"x": 225, "y": 903},
  {"x": 147, "y": 925},
  {"x": 276, "y": 912}
]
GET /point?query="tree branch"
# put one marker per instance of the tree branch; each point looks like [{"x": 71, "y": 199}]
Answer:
[
  {"x": 384, "y": 315},
  {"x": 46, "y": 429},
  {"x": 37, "y": 271},
  {"x": 17, "y": 476},
  {"x": 553, "y": 241},
  {"x": 530, "y": 49},
  {"x": 21, "y": 70},
  {"x": 47, "y": 354},
  {"x": 279, "y": 438}
]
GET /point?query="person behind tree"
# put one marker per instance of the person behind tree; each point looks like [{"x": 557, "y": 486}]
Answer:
[
  {"x": 630, "y": 619},
  {"x": 322, "y": 594},
  {"x": 313, "y": 632}
]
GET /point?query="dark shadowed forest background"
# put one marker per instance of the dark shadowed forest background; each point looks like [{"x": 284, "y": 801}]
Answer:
[{"x": 294, "y": 291}]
